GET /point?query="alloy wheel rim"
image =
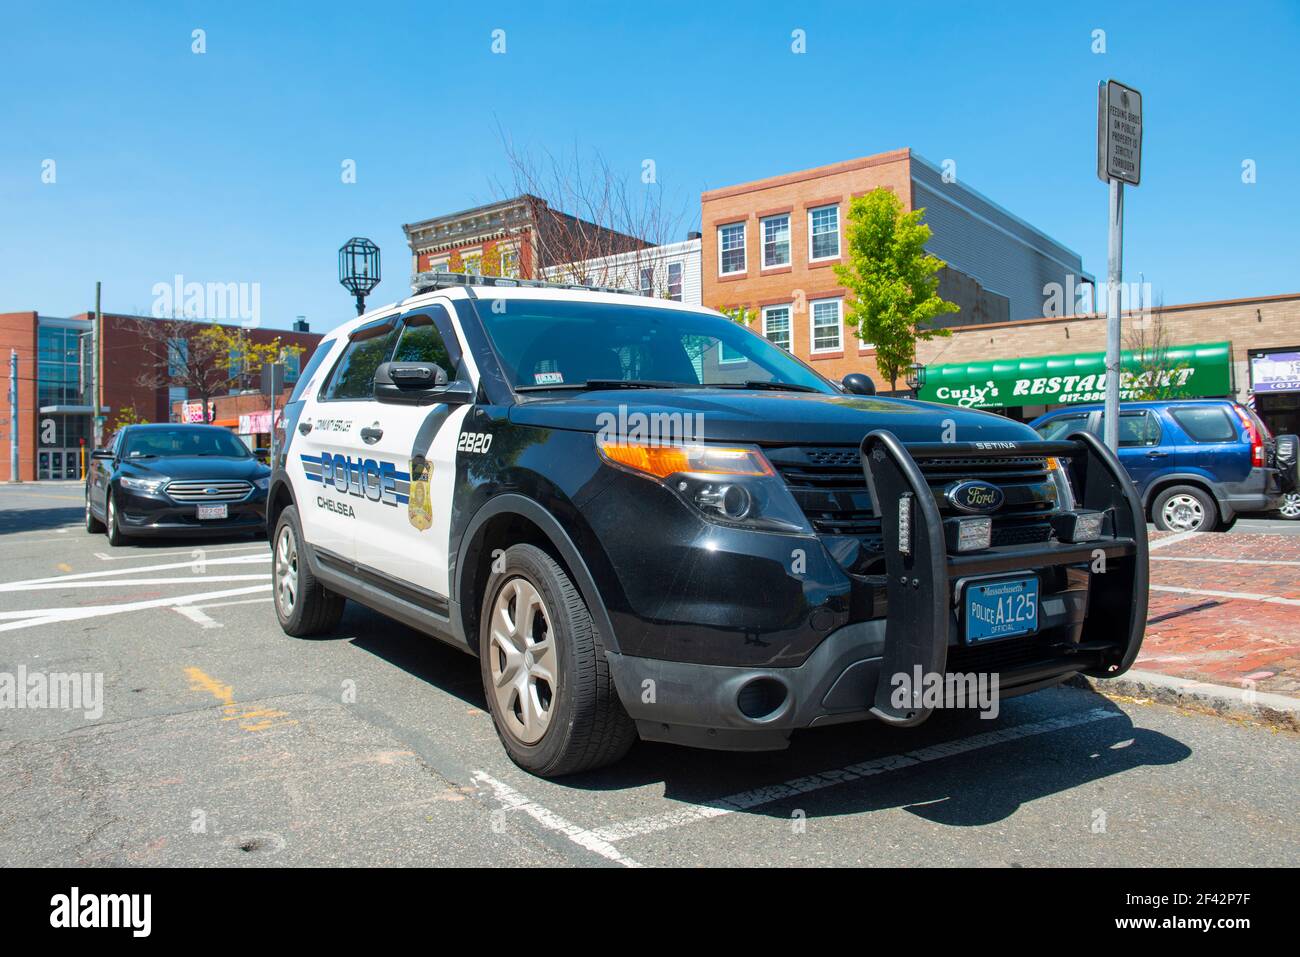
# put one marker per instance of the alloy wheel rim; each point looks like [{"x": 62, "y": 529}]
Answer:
[
  {"x": 522, "y": 660},
  {"x": 1184, "y": 513},
  {"x": 286, "y": 571},
  {"x": 112, "y": 515},
  {"x": 1291, "y": 505}
]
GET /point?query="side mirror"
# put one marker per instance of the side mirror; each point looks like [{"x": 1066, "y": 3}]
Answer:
[
  {"x": 859, "y": 383},
  {"x": 418, "y": 383},
  {"x": 262, "y": 455},
  {"x": 102, "y": 455}
]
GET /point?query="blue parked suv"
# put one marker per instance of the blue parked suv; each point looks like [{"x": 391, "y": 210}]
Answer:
[{"x": 1196, "y": 463}]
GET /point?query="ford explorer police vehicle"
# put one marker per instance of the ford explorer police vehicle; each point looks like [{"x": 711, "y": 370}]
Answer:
[{"x": 647, "y": 521}]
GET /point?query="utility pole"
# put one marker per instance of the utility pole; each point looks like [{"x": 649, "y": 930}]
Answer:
[
  {"x": 96, "y": 427},
  {"x": 14, "y": 474}
]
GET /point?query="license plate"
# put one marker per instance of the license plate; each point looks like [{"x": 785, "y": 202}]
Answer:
[
  {"x": 212, "y": 511},
  {"x": 1001, "y": 609}
]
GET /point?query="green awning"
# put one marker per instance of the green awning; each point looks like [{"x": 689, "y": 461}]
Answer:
[{"x": 1183, "y": 372}]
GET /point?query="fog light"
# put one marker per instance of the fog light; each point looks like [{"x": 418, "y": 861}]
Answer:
[
  {"x": 1084, "y": 525},
  {"x": 968, "y": 534}
]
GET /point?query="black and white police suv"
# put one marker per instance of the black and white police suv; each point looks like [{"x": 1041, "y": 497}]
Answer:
[{"x": 648, "y": 521}]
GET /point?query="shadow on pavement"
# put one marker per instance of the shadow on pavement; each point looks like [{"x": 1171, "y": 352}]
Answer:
[{"x": 14, "y": 520}]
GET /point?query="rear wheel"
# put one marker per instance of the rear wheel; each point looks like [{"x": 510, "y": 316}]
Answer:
[
  {"x": 544, "y": 670},
  {"x": 1185, "y": 508},
  {"x": 303, "y": 605},
  {"x": 93, "y": 525}
]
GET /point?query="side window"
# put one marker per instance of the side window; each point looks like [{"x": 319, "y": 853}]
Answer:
[
  {"x": 421, "y": 340},
  {"x": 354, "y": 376},
  {"x": 1205, "y": 423},
  {"x": 1063, "y": 426},
  {"x": 304, "y": 377},
  {"x": 1138, "y": 429}
]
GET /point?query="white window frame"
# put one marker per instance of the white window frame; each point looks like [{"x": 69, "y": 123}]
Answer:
[
  {"x": 789, "y": 325},
  {"x": 681, "y": 281},
  {"x": 812, "y": 325},
  {"x": 839, "y": 239},
  {"x": 645, "y": 283},
  {"x": 744, "y": 248},
  {"x": 442, "y": 265},
  {"x": 762, "y": 242}
]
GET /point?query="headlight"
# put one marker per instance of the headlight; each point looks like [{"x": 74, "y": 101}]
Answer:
[
  {"x": 731, "y": 486},
  {"x": 1064, "y": 492},
  {"x": 142, "y": 485},
  {"x": 263, "y": 483}
]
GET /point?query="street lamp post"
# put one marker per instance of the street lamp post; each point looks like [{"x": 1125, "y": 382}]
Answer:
[
  {"x": 916, "y": 378},
  {"x": 359, "y": 269}
]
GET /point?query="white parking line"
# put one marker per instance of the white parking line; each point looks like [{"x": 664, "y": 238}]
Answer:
[
  {"x": 1221, "y": 561},
  {"x": 82, "y": 576},
  {"x": 512, "y": 800},
  {"x": 123, "y": 582},
  {"x": 46, "y": 616},
  {"x": 1243, "y": 595},
  {"x": 161, "y": 553},
  {"x": 1171, "y": 540},
  {"x": 193, "y": 614},
  {"x": 243, "y": 601},
  {"x": 746, "y": 800}
]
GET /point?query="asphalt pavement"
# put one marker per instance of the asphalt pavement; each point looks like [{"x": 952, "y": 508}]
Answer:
[{"x": 218, "y": 740}]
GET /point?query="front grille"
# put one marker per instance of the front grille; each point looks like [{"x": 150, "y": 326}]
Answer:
[
  {"x": 212, "y": 492},
  {"x": 828, "y": 484}
]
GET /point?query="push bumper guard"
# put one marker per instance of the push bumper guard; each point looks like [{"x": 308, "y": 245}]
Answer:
[{"x": 921, "y": 571}]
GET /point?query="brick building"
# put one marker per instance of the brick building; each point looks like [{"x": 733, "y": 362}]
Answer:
[
  {"x": 524, "y": 234},
  {"x": 55, "y": 376},
  {"x": 770, "y": 245},
  {"x": 1219, "y": 338}
]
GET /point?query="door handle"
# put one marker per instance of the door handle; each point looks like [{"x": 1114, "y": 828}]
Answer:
[
  {"x": 372, "y": 434},
  {"x": 1156, "y": 455},
  {"x": 304, "y": 428}
]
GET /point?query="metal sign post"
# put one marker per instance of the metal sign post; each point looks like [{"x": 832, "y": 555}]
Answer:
[
  {"x": 272, "y": 386},
  {"x": 1119, "y": 161}
]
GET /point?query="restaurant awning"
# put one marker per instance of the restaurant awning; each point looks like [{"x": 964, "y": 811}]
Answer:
[{"x": 1196, "y": 371}]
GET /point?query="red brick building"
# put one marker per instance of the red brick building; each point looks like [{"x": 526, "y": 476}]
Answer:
[{"x": 55, "y": 376}]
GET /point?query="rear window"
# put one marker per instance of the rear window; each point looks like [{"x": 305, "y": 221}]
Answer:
[
  {"x": 1205, "y": 424},
  {"x": 1060, "y": 428},
  {"x": 304, "y": 377}
]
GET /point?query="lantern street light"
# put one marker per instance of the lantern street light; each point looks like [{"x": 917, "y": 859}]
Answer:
[
  {"x": 915, "y": 377},
  {"x": 359, "y": 269}
]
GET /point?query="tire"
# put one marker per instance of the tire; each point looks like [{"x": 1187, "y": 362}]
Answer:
[
  {"x": 573, "y": 723},
  {"x": 93, "y": 525},
  {"x": 111, "y": 528},
  {"x": 1290, "y": 507},
  {"x": 303, "y": 605},
  {"x": 1185, "y": 508}
]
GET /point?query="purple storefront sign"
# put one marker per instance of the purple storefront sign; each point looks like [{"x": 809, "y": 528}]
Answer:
[{"x": 1275, "y": 372}]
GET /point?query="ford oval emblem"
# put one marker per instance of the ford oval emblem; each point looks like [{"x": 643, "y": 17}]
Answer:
[
  {"x": 212, "y": 491},
  {"x": 974, "y": 496}
]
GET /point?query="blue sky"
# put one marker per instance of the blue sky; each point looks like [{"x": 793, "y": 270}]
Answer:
[{"x": 225, "y": 167}]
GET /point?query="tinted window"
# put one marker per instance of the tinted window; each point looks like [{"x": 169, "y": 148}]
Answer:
[
  {"x": 544, "y": 342},
  {"x": 1135, "y": 428},
  {"x": 354, "y": 376},
  {"x": 304, "y": 377},
  {"x": 421, "y": 341},
  {"x": 165, "y": 443},
  {"x": 1205, "y": 424},
  {"x": 1060, "y": 428}
]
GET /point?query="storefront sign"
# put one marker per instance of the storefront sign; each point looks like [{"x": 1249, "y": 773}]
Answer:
[
  {"x": 193, "y": 411},
  {"x": 1182, "y": 372},
  {"x": 1275, "y": 372},
  {"x": 255, "y": 423}
]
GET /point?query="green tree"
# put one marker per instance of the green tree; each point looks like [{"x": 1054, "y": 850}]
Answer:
[{"x": 892, "y": 281}]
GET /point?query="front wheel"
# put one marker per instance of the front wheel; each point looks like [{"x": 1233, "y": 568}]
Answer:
[
  {"x": 1185, "y": 508},
  {"x": 544, "y": 670},
  {"x": 111, "y": 527},
  {"x": 303, "y": 605}
]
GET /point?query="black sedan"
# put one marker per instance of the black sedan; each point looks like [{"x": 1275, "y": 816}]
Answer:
[{"x": 180, "y": 480}]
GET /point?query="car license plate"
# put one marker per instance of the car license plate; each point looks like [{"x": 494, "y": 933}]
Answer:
[
  {"x": 1001, "y": 609},
  {"x": 212, "y": 511}
]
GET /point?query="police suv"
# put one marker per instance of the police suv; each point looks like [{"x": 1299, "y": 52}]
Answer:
[{"x": 647, "y": 521}]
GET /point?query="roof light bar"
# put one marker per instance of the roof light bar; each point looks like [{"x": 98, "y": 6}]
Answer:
[{"x": 430, "y": 281}]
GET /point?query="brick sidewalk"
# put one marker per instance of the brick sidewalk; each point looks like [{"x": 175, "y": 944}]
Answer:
[{"x": 1249, "y": 631}]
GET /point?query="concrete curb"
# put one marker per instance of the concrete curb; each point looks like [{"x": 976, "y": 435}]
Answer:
[{"x": 1270, "y": 710}]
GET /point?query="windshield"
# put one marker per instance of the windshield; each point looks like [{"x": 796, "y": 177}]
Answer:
[
  {"x": 545, "y": 344},
  {"x": 163, "y": 443}
]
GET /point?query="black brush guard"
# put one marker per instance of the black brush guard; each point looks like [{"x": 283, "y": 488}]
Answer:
[{"x": 920, "y": 581}]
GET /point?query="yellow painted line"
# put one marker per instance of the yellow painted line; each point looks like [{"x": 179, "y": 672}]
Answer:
[
  {"x": 63, "y": 567},
  {"x": 232, "y": 710}
]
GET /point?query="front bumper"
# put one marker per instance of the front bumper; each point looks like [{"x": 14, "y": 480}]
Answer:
[
  {"x": 145, "y": 514},
  {"x": 1091, "y": 620}
]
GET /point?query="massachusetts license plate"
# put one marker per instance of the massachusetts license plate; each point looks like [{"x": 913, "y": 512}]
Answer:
[
  {"x": 212, "y": 511},
  {"x": 1001, "y": 609}
]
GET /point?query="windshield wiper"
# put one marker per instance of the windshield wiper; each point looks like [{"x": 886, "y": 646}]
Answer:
[
  {"x": 608, "y": 384},
  {"x": 757, "y": 384}
]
